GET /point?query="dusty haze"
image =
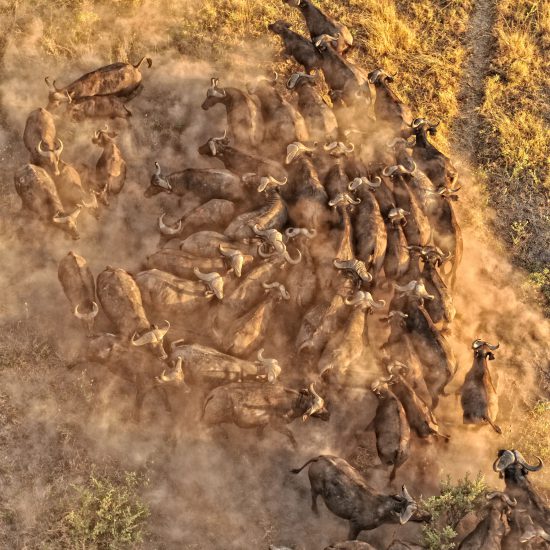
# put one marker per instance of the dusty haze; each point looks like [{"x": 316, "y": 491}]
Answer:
[{"x": 203, "y": 493}]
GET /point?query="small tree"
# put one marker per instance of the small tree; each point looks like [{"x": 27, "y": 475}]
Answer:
[
  {"x": 107, "y": 514},
  {"x": 447, "y": 509}
]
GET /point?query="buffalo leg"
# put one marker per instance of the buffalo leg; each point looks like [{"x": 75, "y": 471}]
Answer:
[
  {"x": 354, "y": 531},
  {"x": 285, "y": 431},
  {"x": 314, "y": 495},
  {"x": 165, "y": 400}
]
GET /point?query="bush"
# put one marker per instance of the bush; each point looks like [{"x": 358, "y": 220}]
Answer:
[
  {"x": 447, "y": 509},
  {"x": 107, "y": 514}
]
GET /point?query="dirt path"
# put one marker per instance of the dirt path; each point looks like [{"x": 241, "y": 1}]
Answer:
[{"x": 480, "y": 43}]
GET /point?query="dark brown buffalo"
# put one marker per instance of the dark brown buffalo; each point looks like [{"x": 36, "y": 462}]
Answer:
[
  {"x": 78, "y": 284},
  {"x": 432, "y": 162},
  {"x": 347, "y": 495},
  {"x": 295, "y": 45},
  {"x": 307, "y": 198},
  {"x": 441, "y": 308},
  {"x": 110, "y": 169},
  {"x": 100, "y": 106},
  {"x": 320, "y": 119},
  {"x": 396, "y": 258},
  {"x": 240, "y": 161},
  {"x": 391, "y": 428},
  {"x": 71, "y": 190},
  {"x": 283, "y": 124},
  {"x": 438, "y": 360},
  {"x": 388, "y": 107},
  {"x": 530, "y": 519},
  {"x": 258, "y": 405},
  {"x": 318, "y": 23},
  {"x": 120, "y": 298},
  {"x": 118, "y": 79},
  {"x": 478, "y": 395},
  {"x": 399, "y": 349},
  {"x": 130, "y": 363},
  {"x": 348, "y": 83},
  {"x": 272, "y": 216},
  {"x": 183, "y": 264},
  {"x": 417, "y": 229},
  {"x": 490, "y": 531},
  {"x": 371, "y": 238},
  {"x": 196, "y": 184},
  {"x": 41, "y": 140},
  {"x": 244, "y": 119},
  {"x": 201, "y": 365},
  {"x": 39, "y": 196},
  {"x": 419, "y": 415},
  {"x": 215, "y": 214}
]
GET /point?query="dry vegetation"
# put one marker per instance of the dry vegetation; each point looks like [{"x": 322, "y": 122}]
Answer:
[{"x": 425, "y": 42}]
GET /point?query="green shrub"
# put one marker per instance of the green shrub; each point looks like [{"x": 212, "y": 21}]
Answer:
[
  {"x": 447, "y": 509},
  {"x": 107, "y": 514}
]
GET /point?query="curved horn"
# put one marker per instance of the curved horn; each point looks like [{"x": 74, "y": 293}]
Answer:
[
  {"x": 521, "y": 460},
  {"x": 406, "y": 494},
  {"x": 86, "y": 316},
  {"x": 167, "y": 230},
  {"x": 59, "y": 148},
  {"x": 389, "y": 171},
  {"x": 330, "y": 146},
  {"x": 502, "y": 496},
  {"x": 350, "y": 148},
  {"x": 355, "y": 183},
  {"x": 207, "y": 277},
  {"x": 418, "y": 122},
  {"x": 43, "y": 152},
  {"x": 295, "y": 261},
  {"x": 293, "y": 80},
  {"x": 158, "y": 171},
  {"x": 316, "y": 406}
]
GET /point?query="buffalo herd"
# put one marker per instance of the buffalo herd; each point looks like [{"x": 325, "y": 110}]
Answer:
[{"x": 329, "y": 207}]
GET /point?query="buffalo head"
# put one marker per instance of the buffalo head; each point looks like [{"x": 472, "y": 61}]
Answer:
[
  {"x": 279, "y": 27},
  {"x": 158, "y": 183},
  {"x": 153, "y": 336},
  {"x": 214, "y": 94},
  {"x": 67, "y": 222},
  {"x": 103, "y": 137},
  {"x": 483, "y": 349},
  {"x": 312, "y": 404},
  {"x": 214, "y": 146},
  {"x": 51, "y": 157},
  {"x": 512, "y": 465}
]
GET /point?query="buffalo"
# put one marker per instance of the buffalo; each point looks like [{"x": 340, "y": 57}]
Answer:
[
  {"x": 348, "y": 496},
  {"x": 257, "y": 405}
]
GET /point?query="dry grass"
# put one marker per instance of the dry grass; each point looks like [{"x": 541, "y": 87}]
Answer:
[
  {"x": 516, "y": 137},
  {"x": 422, "y": 40}
]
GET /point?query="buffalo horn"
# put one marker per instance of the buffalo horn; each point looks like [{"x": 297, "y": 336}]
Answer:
[
  {"x": 519, "y": 458},
  {"x": 86, "y": 316},
  {"x": 502, "y": 496}
]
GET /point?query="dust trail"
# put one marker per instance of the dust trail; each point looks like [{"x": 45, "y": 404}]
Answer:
[{"x": 205, "y": 492}]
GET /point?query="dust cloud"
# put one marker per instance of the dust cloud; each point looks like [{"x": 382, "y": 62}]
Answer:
[{"x": 204, "y": 492}]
